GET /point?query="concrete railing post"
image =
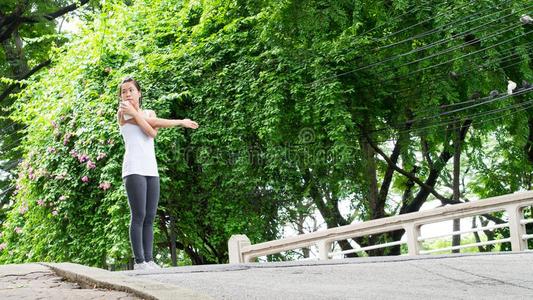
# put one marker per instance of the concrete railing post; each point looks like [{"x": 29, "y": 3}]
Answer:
[
  {"x": 235, "y": 245},
  {"x": 323, "y": 249},
  {"x": 516, "y": 230},
  {"x": 413, "y": 232}
]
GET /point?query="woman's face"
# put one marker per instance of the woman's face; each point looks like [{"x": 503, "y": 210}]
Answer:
[{"x": 130, "y": 93}]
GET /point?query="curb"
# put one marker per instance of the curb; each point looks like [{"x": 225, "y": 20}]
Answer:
[{"x": 146, "y": 289}]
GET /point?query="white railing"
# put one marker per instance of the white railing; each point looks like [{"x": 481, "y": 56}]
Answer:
[{"x": 241, "y": 250}]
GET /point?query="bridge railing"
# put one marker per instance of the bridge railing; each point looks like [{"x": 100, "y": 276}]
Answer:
[{"x": 241, "y": 250}]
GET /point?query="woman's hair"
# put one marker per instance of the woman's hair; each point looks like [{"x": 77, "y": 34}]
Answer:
[{"x": 129, "y": 79}]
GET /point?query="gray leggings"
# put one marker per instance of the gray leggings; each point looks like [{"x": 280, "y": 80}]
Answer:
[{"x": 143, "y": 195}]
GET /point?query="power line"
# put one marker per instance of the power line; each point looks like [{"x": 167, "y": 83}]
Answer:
[
  {"x": 434, "y": 88},
  {"x": 465, "y": 55},
  {"x": 418, "y": 60},
  {"x": 409, "y": 52},
  {"x": 475, "y": 118},
  {"x": 399, "y": 77},
  {"x": 481, "y": 114},
  {"x": 467, "y": 71},
  {"x": 441, "y": 27},
  {"x": 488, "y": 99},
  {"x": 431, "y": 45},
  {"x": 4, "y": 147},
  {"x": 458, "y": 46},
  {"x": 395, "y": 18},
  {"x": 424, "y": 21},
  {"x": 446, "y": 122},
  {"x": 10, "y": 188}
]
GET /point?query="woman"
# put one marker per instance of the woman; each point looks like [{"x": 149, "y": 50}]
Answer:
[{"x": 139, "y": 168}]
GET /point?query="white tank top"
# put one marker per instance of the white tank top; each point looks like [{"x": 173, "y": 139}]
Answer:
[{"x": 139, "y": 157}]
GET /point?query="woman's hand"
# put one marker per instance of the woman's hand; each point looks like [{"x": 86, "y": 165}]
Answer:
[
  {"x": 127, "y": 108},
  {"x": 188, "y": 123}
]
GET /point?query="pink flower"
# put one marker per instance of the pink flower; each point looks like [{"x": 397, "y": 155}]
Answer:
[
  {"x": 82, "y": 158},
  {"x": 3, "y": 246},
  {"x": 110, "y": 142},
  {"x": 74, "y": 153},
  {"x": 67, "y": 138},
  {"x": 105, "y": 185},
  {"x": 85, "y": 179},
  {"x": 40, "y": 202},
  {"x": 23, "y": 209},
  {"x": 101, "y": 155},
  {"x": 18, "y": 230},
  {"x": 90, "y": 164},
  {"x": 62, "y": 198},
  {"x": 54, "y": 213},
  {"x": 54, "y": 124}
]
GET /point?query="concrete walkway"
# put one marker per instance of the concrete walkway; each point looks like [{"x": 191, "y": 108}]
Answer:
[
  {"x": 478, "y": 276},
  {"x": 493, "y": 276},
  {"x": 35, "y": 281}
]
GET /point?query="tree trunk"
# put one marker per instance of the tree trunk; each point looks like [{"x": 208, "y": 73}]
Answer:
[
  {"x": 456, "y": 239},
  {"x": 14, "y": 52},
  {"x": 172, "y": 236},
  {"x": 369, "y": 164},
  {"x": 300, "y": 222}
]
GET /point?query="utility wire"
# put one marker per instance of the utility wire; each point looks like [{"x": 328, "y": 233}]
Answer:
[
  {"x": 10, "y": 188},
  {"x": 407, "y": 124},
  {"x": 502, "y": 64},
  {"x": 442, "y": 27},
  {"x": 450, "y": 122},
  {"x": 475, "y": 120},
  {"x": 414, "y": 9},
  {"x": 422, "y": 59},
  {"x": 482, "y": 101},
  {"x": 6, "y": 147},
  {"x": 399, "y": 77},
  {"x": 439, "y": 42},
  {"x": 424, "y": 21}
]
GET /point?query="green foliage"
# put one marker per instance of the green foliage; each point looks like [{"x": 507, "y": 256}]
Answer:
[{"x": 283, "y": 116}]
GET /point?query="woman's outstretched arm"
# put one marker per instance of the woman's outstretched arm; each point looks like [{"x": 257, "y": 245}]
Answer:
[
  {"x": 169, "y": 123},
  {"x": 157, "y": 123}
]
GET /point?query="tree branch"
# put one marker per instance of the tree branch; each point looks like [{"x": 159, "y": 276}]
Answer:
[
  {"x": 425, "y": 151},
  {"x": 387, "y": 179},
  {"x": 434, "y": 172},
  {"x": 13, "y": 21},
  {"x": 493, "y": 219},
  {"x": 416, "y": 180},
  {"x": 12, "y": 86},
  {"x": 65, "y": 9}
]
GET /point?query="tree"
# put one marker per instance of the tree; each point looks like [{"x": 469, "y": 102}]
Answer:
[
  {"x": 302, "y": 104},
  {"x": 28, "y": 30}
]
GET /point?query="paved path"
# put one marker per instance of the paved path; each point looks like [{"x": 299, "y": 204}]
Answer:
[
  {"x": 34, "y": 281},
  {"x": 479, "y": 276},
  {"x": 493, "y": 276}
]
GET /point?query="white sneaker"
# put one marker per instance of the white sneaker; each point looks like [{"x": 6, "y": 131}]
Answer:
[
  {"x": 141, "y": 266},
  {"x": 152, "y": 265}
]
